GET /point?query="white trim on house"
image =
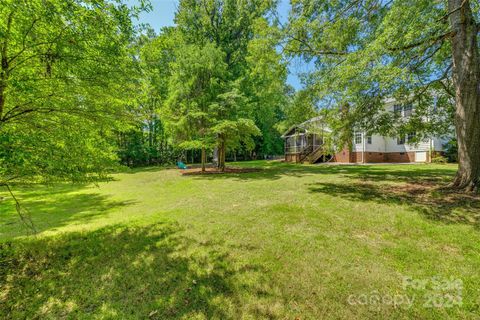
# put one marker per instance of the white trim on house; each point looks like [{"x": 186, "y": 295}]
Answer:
[{"x": 378, "y": 144}]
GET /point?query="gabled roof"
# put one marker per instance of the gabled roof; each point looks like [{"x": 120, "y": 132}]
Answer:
[{"x": 303, "y": 126}]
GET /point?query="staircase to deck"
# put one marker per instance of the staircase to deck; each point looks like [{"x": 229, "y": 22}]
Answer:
[
  {"x": 316, "y": 154},
  {"x": 311, "y": 154}
]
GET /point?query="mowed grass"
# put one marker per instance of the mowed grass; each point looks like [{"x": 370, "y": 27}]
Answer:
[{"x": 288, "y": 242}]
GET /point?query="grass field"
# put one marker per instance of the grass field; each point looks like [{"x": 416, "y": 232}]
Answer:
[{"x": 288, "y": 242}]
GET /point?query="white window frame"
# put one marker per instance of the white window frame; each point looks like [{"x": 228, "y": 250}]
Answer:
[{"x": 358, "y": 138}]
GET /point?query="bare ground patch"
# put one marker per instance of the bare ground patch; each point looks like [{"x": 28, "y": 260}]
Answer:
[{"x": 198, "y": 171}]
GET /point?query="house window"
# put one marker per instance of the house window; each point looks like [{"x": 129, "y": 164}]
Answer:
[
  {"x": 407, "y": 110},
  {"x": 397, "y": 109},
  {"x": 403, "y": 111},
  {"x": 358, "y": 138},
  {"x": 369, "y": 139},
  {"x": 401, "y": 140},
  {"x": 411, "y": 136}
]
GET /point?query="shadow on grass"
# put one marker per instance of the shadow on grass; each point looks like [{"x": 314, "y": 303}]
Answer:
[
  {"x": 274, "y": 170},
  {"x": 423, "y": 196},
  {"x": 118, "y": 272},
  {"x": 52, "y": 208}
]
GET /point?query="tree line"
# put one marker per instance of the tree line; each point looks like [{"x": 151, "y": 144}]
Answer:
[
  {"x": 82, "y": 88},
  {"x": 214, "y": 81}
]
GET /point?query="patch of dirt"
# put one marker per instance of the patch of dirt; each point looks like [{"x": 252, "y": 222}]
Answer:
[
  {"x": 412, "y": 189},
  {"x": 198, "y": 171}
]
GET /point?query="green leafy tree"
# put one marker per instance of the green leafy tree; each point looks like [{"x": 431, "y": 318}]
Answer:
[
  {"x": 233, "y": 125},
  {"x": 65, "y": 75},
  {"x": 144, "y": 140},
  {"x": 265, "y": 85},
  {"x": 193, "y": 90},
  {"x": 420, "y": 51},
  {"x": 231, "y": 26}
]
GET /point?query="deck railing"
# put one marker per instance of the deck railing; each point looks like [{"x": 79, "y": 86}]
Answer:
[{"x": 300, "y": 149}]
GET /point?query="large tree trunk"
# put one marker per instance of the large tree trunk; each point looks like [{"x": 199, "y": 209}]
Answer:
[
  {"x": 466, "y": 78},
  {"x": 221, "y": 153},
  {"x": 4, "y": 64}
]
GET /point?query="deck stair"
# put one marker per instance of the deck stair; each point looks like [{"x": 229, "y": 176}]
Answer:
[
  {"x": 311, "y": 154},
  {"x": 316, "y": 154},
  {"x": 305, "y": 153}
]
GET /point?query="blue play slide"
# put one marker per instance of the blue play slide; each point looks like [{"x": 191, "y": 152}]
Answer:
[{"x": 181, "y": 165}]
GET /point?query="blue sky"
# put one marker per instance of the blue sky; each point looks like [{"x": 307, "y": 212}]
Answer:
[{"x": 163, "y": 14}]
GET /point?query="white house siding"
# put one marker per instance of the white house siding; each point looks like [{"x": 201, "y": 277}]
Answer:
[
  {"x": 377, "y": 145},
  {"x": 392, "y": 146},
  {"x": 388, "y": 144}
]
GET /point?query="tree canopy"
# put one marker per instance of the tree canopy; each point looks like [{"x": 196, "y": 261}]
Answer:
[
  {"x": 82, "y": 87},
  {"x": 66, "y": 70},
  {"x": 419, "y": 51}
]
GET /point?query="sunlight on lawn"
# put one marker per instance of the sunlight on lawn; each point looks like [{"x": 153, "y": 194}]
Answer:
[{"x": 288, "y": 241}]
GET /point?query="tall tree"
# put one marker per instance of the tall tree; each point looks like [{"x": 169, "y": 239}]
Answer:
[
  {"x": 193, "y": 90},
  {"x": 143, "y": 140},
  {"x": 233, "y": 124},
  {"x": 230, "y": 26},
  {"x": 265, "y": 84},
  {"x": 66, "y": 70},
  {"x": 414, "y": 50}
]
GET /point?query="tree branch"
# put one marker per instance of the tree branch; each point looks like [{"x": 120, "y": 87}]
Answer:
[
  {"x": 445, "y": 17},
  {"x": 442, "y": 77},
  {"x": 424, "y": 41},
  {"x": 6, "y": 115},
  {"x": 447, "y": 89},
  {"x": 23, "y": 213},
  {"x": 24, "y": 38},
  {"x": 315, "y": 51}
]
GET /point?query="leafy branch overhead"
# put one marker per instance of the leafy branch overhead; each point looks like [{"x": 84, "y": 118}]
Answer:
[{"x": 414, "y": 51}]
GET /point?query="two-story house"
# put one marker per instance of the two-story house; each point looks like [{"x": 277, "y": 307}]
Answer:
[{"x": 304, "y": 143}]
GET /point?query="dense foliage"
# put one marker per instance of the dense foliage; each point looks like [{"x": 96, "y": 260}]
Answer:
[
  {"x": 65, "y": 77},
  {"x": 215, "y": 82},
  {"x": 419, "y": 52}
]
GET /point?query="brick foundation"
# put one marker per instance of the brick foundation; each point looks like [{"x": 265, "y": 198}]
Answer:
[
  {"x": 400, "y": 157},
  {"x": 373, "y": 157},
  {"x": 345, "y": 156}
]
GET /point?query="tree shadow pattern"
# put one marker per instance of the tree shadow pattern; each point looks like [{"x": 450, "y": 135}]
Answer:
[
  {"x": 123, "y": 273},
  {"x": 62, "y": 209},
  {"x": 276, "y": 170},
  {"x": 427, "y": 196}
]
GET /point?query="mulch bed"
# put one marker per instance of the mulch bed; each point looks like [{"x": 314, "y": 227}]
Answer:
[{"x": 198, "y": 171}]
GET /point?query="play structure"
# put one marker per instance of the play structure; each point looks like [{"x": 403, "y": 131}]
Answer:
[{"x": 181, "y": 165}]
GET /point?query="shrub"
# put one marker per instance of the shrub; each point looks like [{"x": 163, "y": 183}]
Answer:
[
  {"x": 451, "y": 150},
  {"x": 439, "y": 159}
]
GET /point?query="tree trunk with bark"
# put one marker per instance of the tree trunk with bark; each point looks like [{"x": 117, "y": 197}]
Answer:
[
  {"x": 4, "y": 64},
  {"x": 466, "y": 78},
  {"x": 204, "y": 158},
  {"x": 221, "y": 153}
]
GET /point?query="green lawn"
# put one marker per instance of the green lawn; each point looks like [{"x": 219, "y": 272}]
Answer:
[{"x": 291, "y": 241}]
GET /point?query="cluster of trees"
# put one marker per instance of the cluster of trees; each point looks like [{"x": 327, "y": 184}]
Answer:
[
  {"x": 66, "y": 78},
  {"x": 81, "y": 86},
  {"x": 217, "y": 79}
]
